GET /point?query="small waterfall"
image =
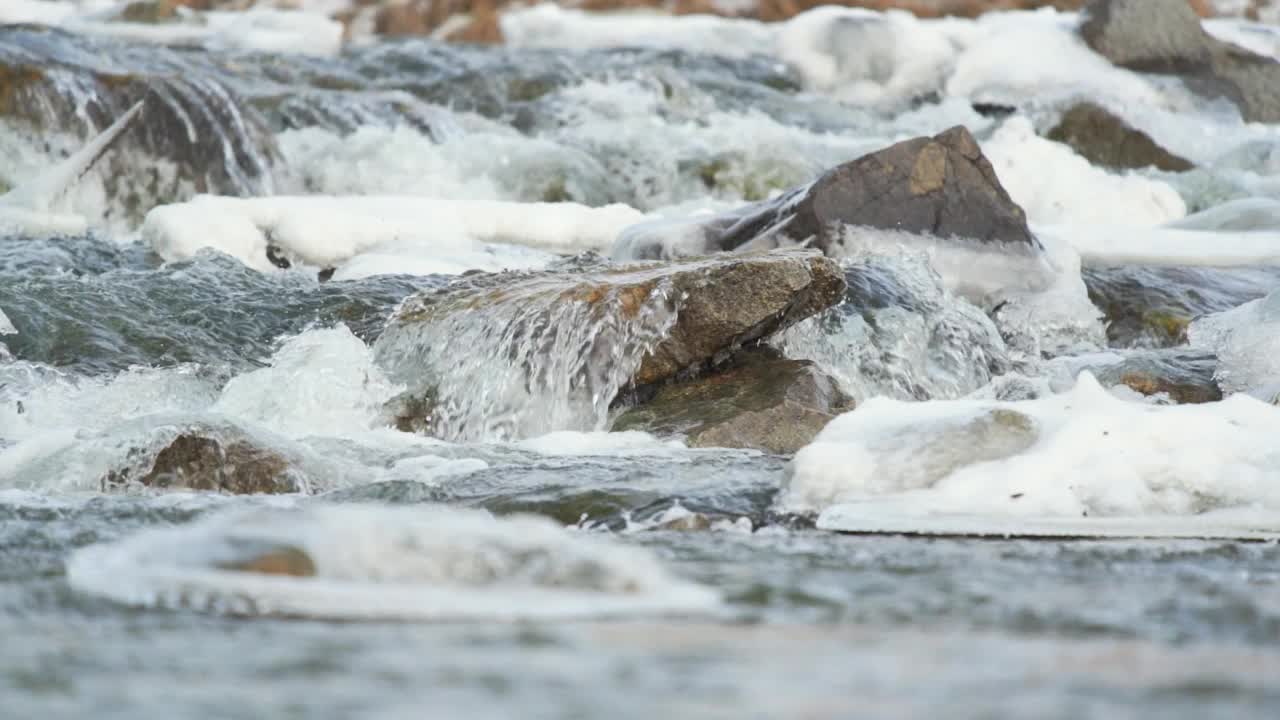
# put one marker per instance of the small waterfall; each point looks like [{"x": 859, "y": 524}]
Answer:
[
  {"x": 196, "y": 135},
  {"x": 511, "y": 356}
]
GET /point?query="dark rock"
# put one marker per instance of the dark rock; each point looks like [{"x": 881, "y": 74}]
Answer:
[
  {"x": 941, "y": 186},
  {"x": 721, "y": 303},
  {"x": 1165, "y": 36},
  {"x": 994, "y": 110},
  {"x": 201, "y": 459},
  {"x": 761, "y": 400},
  {"x": 1185, "y": 376},
  {"x": 1104, "y": 139}
]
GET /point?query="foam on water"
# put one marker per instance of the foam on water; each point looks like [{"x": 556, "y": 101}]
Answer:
[
  {"x": 64, "y": 432},
  {"x": 880, "y": 59},
  {"x": 1085, "y": 453},
  {"x": 568, "y": 442},
  {"x": 1112, "y": 245},
  {"x": 322, "y": 382},
  {"x": 60, "y": 431},
  {"x": 378, "y": 563},
  {"x": 329, "y": 231},
  {"x": 6, "y": 325},
  {"x": 549, "y": 25},
  {"x": 1055, "y": 185},
  {"x": 261, "y": 29},
  {"x": 525, "y": 358}
]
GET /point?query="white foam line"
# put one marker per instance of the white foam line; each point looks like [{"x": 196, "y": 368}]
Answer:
[
  {"x": 874, "y": 518},
  {"x": 1111, "y": 245}
]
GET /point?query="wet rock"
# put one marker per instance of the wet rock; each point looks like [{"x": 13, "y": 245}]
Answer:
[
  {"x": 203, "y": 459},
  {"x": 1153, "y": 306},
  {"x": 761, "y": 400},
  {"x": 1165, "y": 36},
  {"x": 940, "y": 186},
  {"x": 1104, "y": 139},
  {"x": 1184, "y": 376},
  {"x": 721, "y": 303}
]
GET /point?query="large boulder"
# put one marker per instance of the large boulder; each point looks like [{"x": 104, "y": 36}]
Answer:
[
  {"x": 719, "y": 303},
  {"x": 761, "y": 400},
  {"x": 1104, "y": 139},
  {"x": 1165, "y": 36},
  {"x": 942, "y": 186},
  {"x": 211, "y": 460}
]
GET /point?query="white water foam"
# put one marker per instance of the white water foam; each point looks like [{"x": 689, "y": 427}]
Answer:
[
  {"x": 1111, "y": 245},
  {"x": 1054, "y": 185},
  {"x": 377, "y": 563},
  {"x": 1085, "y": 453},
  {"x": 260, "y": 29},
  {"x": 444, "y": 236},
  {"x": 881, "y": 59},
  {"x": 322, "y": 382}
]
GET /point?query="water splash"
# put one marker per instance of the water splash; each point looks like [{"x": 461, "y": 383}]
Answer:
[
  {"x": 900, "y": 334},
  {"x": 518, "y": 355}
]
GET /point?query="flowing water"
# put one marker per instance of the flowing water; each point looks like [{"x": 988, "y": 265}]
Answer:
[{"x": 527, "y": 562}]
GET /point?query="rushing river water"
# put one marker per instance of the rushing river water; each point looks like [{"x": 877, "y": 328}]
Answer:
[{"x": 652, "y": 577}]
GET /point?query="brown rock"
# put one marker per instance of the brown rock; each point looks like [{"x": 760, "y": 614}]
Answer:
[
  {"x": 761, "y": 401},
  {"x": 425, "y": 17},
  {"x": 721, "y": 302},
  {"x": 1104, "y": 139},
  {"x": 198, "y": 461},
  {"x": 270, "y": 559},
  {"x": 1165, "y": 36}
]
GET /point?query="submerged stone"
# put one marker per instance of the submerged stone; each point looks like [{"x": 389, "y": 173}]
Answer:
[
  {"x": 265, "y": 558},
  {"x": 761, "y": 401},
  {"x": 1165, "y": 36},
  {"x": 1104, "y": 139},
  {"x": 1184, "y": 376},
  {"x": 206, "y": 459},
  {"x": 1153, "y": 306}
]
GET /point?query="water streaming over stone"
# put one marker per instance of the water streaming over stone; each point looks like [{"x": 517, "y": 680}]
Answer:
[{"x": 517, "y": 359}]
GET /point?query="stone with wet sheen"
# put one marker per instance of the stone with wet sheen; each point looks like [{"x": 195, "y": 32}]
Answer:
[
  {"x": 1165, "y": 36},
  {"x": 720, "y": 303},
  {"x": 209, "y": 459},
  {"x": 761, "y": 401}
]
